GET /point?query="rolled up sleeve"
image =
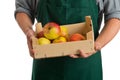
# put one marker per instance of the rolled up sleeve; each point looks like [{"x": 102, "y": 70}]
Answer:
[
  {"x": 111, "y": 9},
  {"x": 25, "y": 6}
]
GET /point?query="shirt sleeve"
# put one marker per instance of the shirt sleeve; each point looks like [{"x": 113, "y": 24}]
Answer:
[
  {"x": 25, "y": 6},
  {"x": 111, "y": 9}
]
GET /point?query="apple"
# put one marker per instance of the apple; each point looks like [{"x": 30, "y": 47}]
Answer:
[
  {"x": 59, "y": 40},
  {"x": 64, "y": 31},
  {"x": 76, "y": 37},
  {"x": 51, "y": 30},
  {"x": 40, "y": 34},
  {"x": 39, "y": 30},
  {"x": 43, "y": 41}
]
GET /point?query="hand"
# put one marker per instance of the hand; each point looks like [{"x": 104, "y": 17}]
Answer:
[
  {"x": 85, "y": 55},
  {"x": 82, "y": 54},
  {"x": 30, "y": 33}
]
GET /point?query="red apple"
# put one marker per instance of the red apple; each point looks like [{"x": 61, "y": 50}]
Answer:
[
  {"x": 76, "y": 37},
  {"x": 51, "y": 30},
  {"x": 39, "y": 30},
  {"x": 40, "y": 34}
]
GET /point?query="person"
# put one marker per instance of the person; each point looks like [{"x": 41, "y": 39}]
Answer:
[{"x": 85, "y": 66}]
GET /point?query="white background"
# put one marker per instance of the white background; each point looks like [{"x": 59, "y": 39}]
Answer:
[{"x": 15, "y": 62}]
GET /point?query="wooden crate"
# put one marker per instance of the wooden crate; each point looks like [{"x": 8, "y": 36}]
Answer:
[{"x": 64, "y": 49}]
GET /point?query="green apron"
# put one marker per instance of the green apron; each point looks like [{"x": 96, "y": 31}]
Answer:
[{"x": 67, "y": 68}]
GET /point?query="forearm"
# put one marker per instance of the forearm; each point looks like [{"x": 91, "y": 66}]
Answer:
[
  {"x": 24, "y": 22},
  {"x": 109, "y": 31}
]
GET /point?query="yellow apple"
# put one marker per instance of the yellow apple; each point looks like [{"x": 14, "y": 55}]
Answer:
[
  {"x": 43, "y": 41},
  {"x": 51, "y": 30},
  {"x": 64, "y": 31},
  {"x": 60, "y": 39}
]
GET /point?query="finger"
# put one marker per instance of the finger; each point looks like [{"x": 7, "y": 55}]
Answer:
[
  {"x": 73, "y": 56},
  {"x": 30, "y": 44},
  {"x": 31, "y": 51},
  {"x": 84, "y": 55},
  {"x": 30, "y": 33}
]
